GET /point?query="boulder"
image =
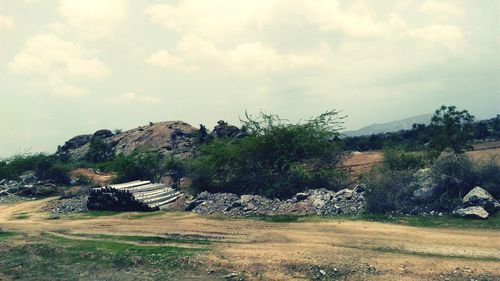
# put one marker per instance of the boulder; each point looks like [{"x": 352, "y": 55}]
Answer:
[
  {"x": 424, "y": 185},
  {"x": 224, "y": 130},
  {"x": 423, "y": 193},
  {"x": 301, "y": 196},
  {"x": 104, "y": 133},
  {"x": 76, "y": 142},
  {"x": 475, "y": 212},
  {"x": 480, "y": 197}
]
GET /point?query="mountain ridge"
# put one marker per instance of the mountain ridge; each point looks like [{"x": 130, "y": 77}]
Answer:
[{"x": 392, "y": 126}]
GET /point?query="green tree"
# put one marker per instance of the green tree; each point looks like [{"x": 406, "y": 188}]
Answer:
[{"x": 451, "y": 129}]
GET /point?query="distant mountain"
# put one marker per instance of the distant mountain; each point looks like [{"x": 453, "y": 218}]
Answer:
[{"x": 389, "y": 127}]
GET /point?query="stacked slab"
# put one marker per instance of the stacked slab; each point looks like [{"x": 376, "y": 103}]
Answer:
[{"x": 132, "y": 196}]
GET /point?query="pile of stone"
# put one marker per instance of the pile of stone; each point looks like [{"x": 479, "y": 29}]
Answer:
[
  {"x": 478, "y": 204},
  {"x": 132, "y": 196},
  {"x": 316, "y": 201},
  {"x": 27, "y": 186},
  {"x": 67, "y": 205}
]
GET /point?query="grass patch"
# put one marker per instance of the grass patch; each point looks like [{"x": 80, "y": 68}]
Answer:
[
  {"x": 432, "y": 255},
  {"x": 6, "y": 234},
  {"x": 50, "y": 257},
  {"x": 144, "y": 215},
  {"x": 492, "y": 222},
  {"x": 147, "y": 239},
  {"x": 91, "y": 214},
  {"x": 21, "y": 216}
]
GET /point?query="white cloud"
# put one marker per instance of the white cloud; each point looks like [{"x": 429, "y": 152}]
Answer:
[
  {"x": 222, "y": 19},
  {"x": 447, "y": 35},
  {"x": 55, "y": 61},
  {"x": 94, "y": 18},
  {"x": 441, "y": 10},
  {"x": 250, "y": 58},
  {"x": 165, "y": 60},
  {"x": 134, "y": 97},
  {"x": 59, "y": 87},
  {"x": 6, "y": 22},
  {"x": 49, "y": 54}
]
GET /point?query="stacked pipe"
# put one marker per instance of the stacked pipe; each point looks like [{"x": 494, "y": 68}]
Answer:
[{"x": 132, "y": 196}]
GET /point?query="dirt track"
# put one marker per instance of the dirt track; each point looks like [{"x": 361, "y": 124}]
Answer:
[{"x": 284, "y": 251}]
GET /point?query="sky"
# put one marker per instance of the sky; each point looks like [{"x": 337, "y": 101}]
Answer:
[{"x": 70, "y": 67}]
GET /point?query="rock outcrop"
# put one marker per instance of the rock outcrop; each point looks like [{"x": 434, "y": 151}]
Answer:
[
  {"x": 316, "y": 201},
  {"x": 167, "y": 137}
]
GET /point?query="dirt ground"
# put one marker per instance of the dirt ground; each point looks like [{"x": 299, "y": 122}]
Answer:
[{"x": 341, "y": 249}]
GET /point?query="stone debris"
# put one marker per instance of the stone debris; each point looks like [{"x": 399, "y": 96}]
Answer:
[
  {"x": 67, "y": 205},
  {"x": 27, "y": 186},
  {"x": 312, "y": 202}
]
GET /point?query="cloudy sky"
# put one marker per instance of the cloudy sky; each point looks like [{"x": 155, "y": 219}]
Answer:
[{"x": 70, "y": 67}]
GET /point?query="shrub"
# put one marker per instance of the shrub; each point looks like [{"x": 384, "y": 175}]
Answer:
[
  {"x": 388, "y": 190},
  {"x": 51, "y": 168},
  {"x": 176, "y": 168},
  {"x": 488, "y": 176},
  {"x": 143, "y": 165},
  {"x": 453, "y": 175},
  {"x": 275, "y": 158},
  {"x": 13, "y": 167},
  {"x": 398, "y": 159}
]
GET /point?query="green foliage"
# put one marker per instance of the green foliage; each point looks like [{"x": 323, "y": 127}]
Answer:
[
  {"x": 176, "y": 168},
  {"x": 99, "y": 151},
  {"x": 454, "y": 176},
  {"x": 144, "y": 165},
  {"x": 488, "y": 176},
  {"x": 45, "y": 167},
  {"x": 398, "y": 159},
  {"x": 13, "y": 167},
  {"x": 452, "y": 129},
  {"x": 275, "y": 159},
  {"x": 388, "y": 190}
]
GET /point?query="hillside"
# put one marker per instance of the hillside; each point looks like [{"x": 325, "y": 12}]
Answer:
[{"x": 393, "y": 126}]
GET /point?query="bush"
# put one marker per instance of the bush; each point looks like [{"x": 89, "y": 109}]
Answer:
[
  {"x": 488, "y": 176},
  {"x": 388, "y": 190},
  {"x": 275, "y": 159},
  {"x": 453, "y": 175},
  {"x": 398, "y": 159},
  {"x": 13, "y": 167},
  {"x": 140, "y": 165},
  {"x": 51, "y": 168}
]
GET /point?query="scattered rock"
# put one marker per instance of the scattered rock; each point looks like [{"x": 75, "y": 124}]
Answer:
[
  {"x": 316, "y": 201},
  {"x": 475, "y": 212}
]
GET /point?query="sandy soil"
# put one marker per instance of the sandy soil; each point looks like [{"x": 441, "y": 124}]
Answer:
[{"x": 349, "y": 250}]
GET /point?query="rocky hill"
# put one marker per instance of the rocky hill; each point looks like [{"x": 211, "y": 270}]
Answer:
[
  {"x": 165, "y": 137},
  {"x": 394, "y": 126}
]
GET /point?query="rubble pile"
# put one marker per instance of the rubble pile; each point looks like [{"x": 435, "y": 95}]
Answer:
[{"x": 315, "y": 201}]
